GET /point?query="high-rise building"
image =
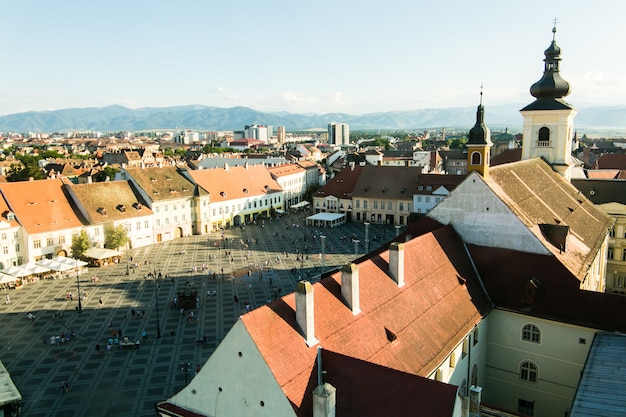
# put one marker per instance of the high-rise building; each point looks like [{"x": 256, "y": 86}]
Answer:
[
  {"x": 259, "y": 132},
  {"x": 338, "y": 134},
  {"x": 281, "y": 133}
]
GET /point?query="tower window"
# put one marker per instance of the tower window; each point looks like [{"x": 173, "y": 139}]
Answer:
[
  {"x": 476, "y": 158},
  {"x": 543, "y": 140}
]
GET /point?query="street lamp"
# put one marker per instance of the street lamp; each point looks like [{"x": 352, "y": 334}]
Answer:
[
  {"x": 367, "y": 237},
  {"x": 80, "y": 306},
  {"x": 323, "y": 242},
  {"x": 156, "y": 298},
  {"x": 186, "y": 367},
  {"x": 356, "y": 246}
]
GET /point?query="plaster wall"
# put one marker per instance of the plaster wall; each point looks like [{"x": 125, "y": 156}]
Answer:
[
  {"x": 560, "y": 357},
  {"x": 235, "y": 381},
  {"x": 481, "y": 218}
]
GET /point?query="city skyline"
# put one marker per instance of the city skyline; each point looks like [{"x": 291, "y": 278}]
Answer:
[{"x": 323, "y": 57}]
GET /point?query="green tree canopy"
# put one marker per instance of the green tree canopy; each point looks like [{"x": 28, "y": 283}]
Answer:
[
  {"x": 80, "y": 244},
  {"x": 115, "y": 237},
  {"x": 108, "y": 171},
  {"x": 28, "y": 169}
]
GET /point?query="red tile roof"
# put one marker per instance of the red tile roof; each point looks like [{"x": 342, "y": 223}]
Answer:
[
  {"x": 342, "y": 184},
  {"x": 40, "y": 206},
  {"x": 558, "y": 297},
  {"x": 235, "y": 182},
  {"x": 438, "y": 306}
]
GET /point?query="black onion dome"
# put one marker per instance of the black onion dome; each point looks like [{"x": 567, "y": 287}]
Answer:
[
  {"x": 551, "y": 85},
  {"x": 479, "y": 134}
]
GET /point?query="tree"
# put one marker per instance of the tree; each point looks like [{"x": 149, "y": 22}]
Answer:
[
  {"x": 114, "y": 237},
  {"x": 457, "y": 143},
  {"x": 80, "y": 244},
  {"x": 29, "y": 169},
  {"x": 107, "y": 171}
]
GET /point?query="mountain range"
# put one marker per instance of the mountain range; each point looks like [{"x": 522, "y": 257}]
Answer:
[{"x": 197, "y": 117}]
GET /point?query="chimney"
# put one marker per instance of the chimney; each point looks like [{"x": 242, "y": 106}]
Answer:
[
  {"x": 396, "y": 262},
  {"x": 324, "y": 395},
  {"x": 89, "y": 179},
  {"x": 350, "y": 286},
  {"x": 226, "y": 167},
  {"x": 305, "y": 313}
]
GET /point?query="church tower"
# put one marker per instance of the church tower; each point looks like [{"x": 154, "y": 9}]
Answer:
[
  {"x": 549, "y": 120},
  {"x": 479, "y": 143}
]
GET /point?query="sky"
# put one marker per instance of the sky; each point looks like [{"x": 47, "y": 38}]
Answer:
[{"x": 322, "y": 56}]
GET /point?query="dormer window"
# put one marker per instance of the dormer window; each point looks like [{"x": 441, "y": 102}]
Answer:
[
  {"x": 121, "y": 207},
  {"x": 137, "y": 206},
  {"x": 152, "y": 179},
  {"x": 102, "y": 211},
  {"x": 245, "y": 191},
  {"x": 168, "y": 179},
  {"x": 223, "y": 194},
  {"x": 420, "y": 187}
]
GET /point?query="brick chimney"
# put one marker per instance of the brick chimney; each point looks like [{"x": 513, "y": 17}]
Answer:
[
  {"x": 350, "y": 286},
  {"x": 305, "y": 313},
  {"x": 396, "y": 262}
]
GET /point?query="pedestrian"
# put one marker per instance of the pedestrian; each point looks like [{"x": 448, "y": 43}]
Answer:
[
  {"x": 101, "y": 302},
  {"x": 67, "y": 386},
  {"x": 8, "y": 299},
  {"x": 144, "y": 336},
  {"x": 119, "y": 332},
  {"x": 62, "y": 387},
  {"x": 132, "y": 312},
  {"x": 197, "y": 368}
]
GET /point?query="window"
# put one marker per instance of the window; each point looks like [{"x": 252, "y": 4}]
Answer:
[
  {"x": 146, "y": 224},
  {"x": 611, "y": 232},
  {"x": 531, "y": 333},
  {"x": 389, "y": 205},
  {"x": 465, "y": 348},
  {"x": 526, "y": 407},
  {"x": 375, "y": 204},
  {"x": 476, "y": 158},
  {"x": 138, "y": 225},
  {"x": 543, "y": 138},
  {"x": 37, "y": 244},
  {"x": 610, "y": 253},
  {"x": 463, "y": 388},
  {"x": 17, "y": 247},
  {"x": 5, "y": 250},
  {"x": 419, "y": 198},
  {"x": 158, "y": 222},
  {"x": 475, "y": 336},
  {"x": 364, "y": 204},
  {"x": 528, "y": 371},
  {"x": 61, "y": 240},
  {"x": 401, "y": 206},
  {"x": 50, "y": 241},
  {"x": 358, "y": 204},
  {"x": 439, "y": 375},
  {"x": 452, "y": 363},
  {"x": 624, "y": 255},
  {"x": 156, "y": 209},
  {"x": 4, "y": 236},
  {"x": 427, "y": 199}
]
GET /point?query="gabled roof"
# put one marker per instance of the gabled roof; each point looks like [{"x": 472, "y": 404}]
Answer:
[
  {"x": 435, "y": 182},
  {"x": 507, "y": 156},
  {"x": 607, "y": 174},
  {"x": 40, "y": 206},
  {"x": 538, "y": 195},
  {"x": 440, "y": 303},
  {"x": 366, "y": 389},
  {"x": 109, "y": 201},
  {"x": 285, "y": 170},
  {"x": 612, "y": 161},
  {"x": 558, "y": 297},
  {"x": 388, "y": 182},
  {"x": 342, "y": 184},
  {"x": 235, "y": 182},
  {"x": 602, "y": 191},
  {"x": 164, "y": 183}
]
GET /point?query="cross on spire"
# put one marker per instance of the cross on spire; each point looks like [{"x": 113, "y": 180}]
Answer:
[{"x": 554, "y": 21}]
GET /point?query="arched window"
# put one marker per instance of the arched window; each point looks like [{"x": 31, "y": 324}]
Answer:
[
  {"x": 531, "y": 333},
  {"x": 543, "y": 140},
  {"x": 476, "y": 158},
  {"x": 528, "y": 371}
]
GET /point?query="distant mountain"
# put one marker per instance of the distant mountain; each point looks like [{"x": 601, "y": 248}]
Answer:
[{"x": 196, "y": 117}]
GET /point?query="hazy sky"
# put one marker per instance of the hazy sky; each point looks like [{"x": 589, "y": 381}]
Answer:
[{"x": 321, "y": 56}]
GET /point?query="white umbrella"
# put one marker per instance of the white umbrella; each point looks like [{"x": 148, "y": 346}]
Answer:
[
  {"x": 4, "y": 278},
  {"x": 16, "y": 271}
]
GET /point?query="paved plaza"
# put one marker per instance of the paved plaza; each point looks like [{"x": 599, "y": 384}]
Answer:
[{"x": 242, "y": 269}]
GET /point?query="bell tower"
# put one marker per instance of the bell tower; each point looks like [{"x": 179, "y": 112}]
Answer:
[
  {"x": 549, "y": 120},
  {"x": 479, "y": 143}
]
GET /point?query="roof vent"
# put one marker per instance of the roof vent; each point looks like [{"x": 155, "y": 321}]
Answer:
[
  {"x": 102, "y": 211},
  {"x": 556, "y": 234},
  {"x": 121, "y": 207},
  {"x": 391, "y": 336},
  {"x": 137, "y": 205},
  {"x": 223, "y": 194}
]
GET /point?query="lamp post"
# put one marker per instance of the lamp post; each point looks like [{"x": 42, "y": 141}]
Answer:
[
  {"x": 186, "y": 367},
  {"x": 397, "y": 226},
  {"x": 80, "y": 305},
  {"x": 356, "y": 246},
  {"x": 156, "y": 298},
  {"x": 323, "y": 242},
  {"x": 367, "y": 237}
]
